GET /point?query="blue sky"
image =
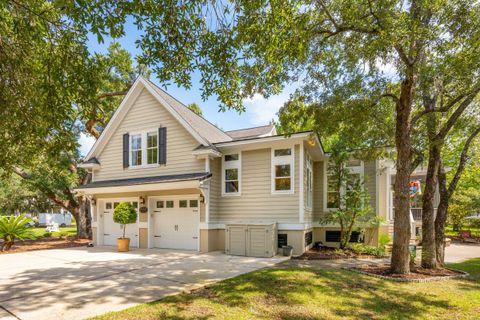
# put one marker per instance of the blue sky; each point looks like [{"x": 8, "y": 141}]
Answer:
[{"x": 259, "y": 111}]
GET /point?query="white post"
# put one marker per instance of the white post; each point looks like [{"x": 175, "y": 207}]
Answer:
[{"x": 301, "y": 196}]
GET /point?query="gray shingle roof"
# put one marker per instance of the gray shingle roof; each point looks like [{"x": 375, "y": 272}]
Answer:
[
  {"x": 250, "y": 132},
  {"x": 204, "y": 128},
  {"x": 147, "y": 180}
]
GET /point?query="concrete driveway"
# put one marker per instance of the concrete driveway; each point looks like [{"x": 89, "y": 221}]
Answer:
[
  {"x": 78, "y": 283},
  {"x": 457, "y": 252}
]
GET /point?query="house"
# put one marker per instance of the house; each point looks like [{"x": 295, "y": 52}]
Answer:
[{"x": 197, "y": 187}]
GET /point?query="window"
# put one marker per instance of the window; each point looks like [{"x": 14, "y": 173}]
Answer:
[
  {"x": 108, "y": 206},
  {"x": 308, "y": 238},
  {"x": 169, "y": 204},
  {"x": 334, "y": 236},
  {"x": 309, "y": 182},
  {"x": 135, "y": 204},
  {"x": 282, "y": 240},
  {"x": 282, "y": 170},
  {"x": 335, "y": 191},
  {"x": 231, "y": 174},
  {"x": 193, "y": 203},
  {"x": 183, "y": 204},
  {"x": 152, "y": 148},
  {"x": 160, "y": 204},
  {"x": 115, "y": 204},
  {"x": 136, "y": 149},
  {"x": 144, "y": 148}
]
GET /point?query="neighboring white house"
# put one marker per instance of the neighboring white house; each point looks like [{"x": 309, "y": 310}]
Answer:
[
  {"x": 197, "y": 187},
  {"x": 62, "y": 218}
]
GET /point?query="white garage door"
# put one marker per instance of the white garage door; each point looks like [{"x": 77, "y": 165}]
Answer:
[
  {"x": 175, "y": 223},
  {"x": 112, "y": 231}
]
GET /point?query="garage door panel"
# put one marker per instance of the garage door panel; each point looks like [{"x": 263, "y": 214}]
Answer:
[
  {"x": 175, "y": 228},
  {"x": 112, "y": 231}
]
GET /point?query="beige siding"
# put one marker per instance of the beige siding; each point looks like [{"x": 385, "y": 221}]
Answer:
[
  {"x": 256, "y": 202},
  {"x": 370, "y": 175},
  {"x": 318, "y": 189},
  {"x": 146, "y": 113}
]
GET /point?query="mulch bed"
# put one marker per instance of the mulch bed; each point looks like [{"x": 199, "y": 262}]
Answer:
[
  {"x": 417, "y": 274},
  {"x": 46, "y": 243},
  {"x": 328, "y": 253}
]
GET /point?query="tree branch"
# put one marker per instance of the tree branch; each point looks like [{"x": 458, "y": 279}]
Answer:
[
  {"x": 111, "y": 94},
  {"x": 462, "y": 163}
]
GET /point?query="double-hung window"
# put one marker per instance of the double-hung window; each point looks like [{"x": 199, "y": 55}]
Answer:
[
  {"x": 136, "y": 150},
  {"x": 231, "y": 176},
  {"x": 336, "y": 190},
  {"x": 309, "y": 181},
  {"x": 282, "y": 170},
  {"x": 144, "y": 148}
]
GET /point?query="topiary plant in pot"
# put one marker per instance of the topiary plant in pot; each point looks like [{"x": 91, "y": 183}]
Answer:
[{"x": 124, "y": 214}]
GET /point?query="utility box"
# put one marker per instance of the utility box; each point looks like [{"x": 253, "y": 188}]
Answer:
[{"x": 251, "y": 240}]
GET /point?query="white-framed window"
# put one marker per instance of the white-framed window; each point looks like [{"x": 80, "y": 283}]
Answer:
[
  {"x": 152, "y": 147},
  {"x": 144, "y": 148},
  {"x": 231, "y": 174},
  {"x": 282, "y": 170},
  {"x": 309, "y": 181},
  {"x": 136, "y": 150},
  {"x": 334, "y": 190}
]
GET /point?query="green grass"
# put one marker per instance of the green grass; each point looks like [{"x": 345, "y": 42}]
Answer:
[
  {"x": 71, "y": 231},
  {"x": 313, "y": 293},
  {"x": 450, "y": 233}
]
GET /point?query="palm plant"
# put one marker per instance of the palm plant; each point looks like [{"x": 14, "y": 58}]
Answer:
[{"x": 13, "y": 228}]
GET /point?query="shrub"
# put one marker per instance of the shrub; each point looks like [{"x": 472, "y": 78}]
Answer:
[
  {"x": 12, "y": 228},
  {"x": 360, "y": 248},
  {"x": 124, "y": 214},
  {"x": 62, "y": 234},
  {"x": 47, "y": 234},
  {"x": 383, "y": 240}
]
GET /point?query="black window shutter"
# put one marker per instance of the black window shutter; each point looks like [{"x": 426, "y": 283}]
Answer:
[
  {"x": 162, "y": 145},
  {"x": 126, "y": 141}
]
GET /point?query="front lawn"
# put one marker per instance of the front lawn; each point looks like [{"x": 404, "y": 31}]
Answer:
[
  {"x": 65, "y": 232},
  {"x": 450, "y": 233},
  {"x": 312, "y": 293}
]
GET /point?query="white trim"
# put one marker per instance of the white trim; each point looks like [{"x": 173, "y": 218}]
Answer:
[
  {"x": 192, "y": 184},
  {"x": 89, "y": 165},
  {"x": 283, "y": 160},
  {"x": 126, "y": 104},
  {"x": 301, "y": 195},
  {"x": 263, "y": 139},
  {"x": 280, "y": 226},
  {"x": 235, "y": 164},
  {"x": 206, "y": 152},
  {"x": 377, "y": 191},
  {"x": 310, "y": 192}
]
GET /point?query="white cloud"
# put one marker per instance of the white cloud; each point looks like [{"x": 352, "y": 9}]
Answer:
[
  {"x": 260, "y": 110},
  {"x": 86, "y": 143}
]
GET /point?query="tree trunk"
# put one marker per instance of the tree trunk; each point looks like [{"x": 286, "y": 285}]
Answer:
[
  {"x": 429, "y": 259},
  {"x": 400, "y": 261},
  {"x": 81, "y": 213},
  {"x": 441, "y": 218}
]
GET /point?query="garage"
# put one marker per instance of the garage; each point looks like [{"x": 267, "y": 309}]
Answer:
[
  {"x": 175, "y": 223},
  {"x": 251, "y": 240},
  {"x": 111, "y": 230}
]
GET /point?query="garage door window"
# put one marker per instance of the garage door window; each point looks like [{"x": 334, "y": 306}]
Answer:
[
  {"x": 183, "y": 204},
  {"x": 160, "y": 204},
  {"x": 193, "y": 203},
  {"x": 108, "y": 206},
  {"x": 170, "y": 204},
  {"x": 115, "y": 204}
]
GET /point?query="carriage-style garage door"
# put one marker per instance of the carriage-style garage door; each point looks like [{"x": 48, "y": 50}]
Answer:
[
  {"x": 111, "y": 230},
  {"x": 175, "y": 223}
]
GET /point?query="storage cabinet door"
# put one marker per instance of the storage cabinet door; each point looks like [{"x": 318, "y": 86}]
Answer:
[
  {"x": 257, "y": 242},
  {"x": 236, "y": 240}
]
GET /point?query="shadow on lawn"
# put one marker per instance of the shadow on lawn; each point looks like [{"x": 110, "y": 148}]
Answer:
[{"x": 288, "y": 293}]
